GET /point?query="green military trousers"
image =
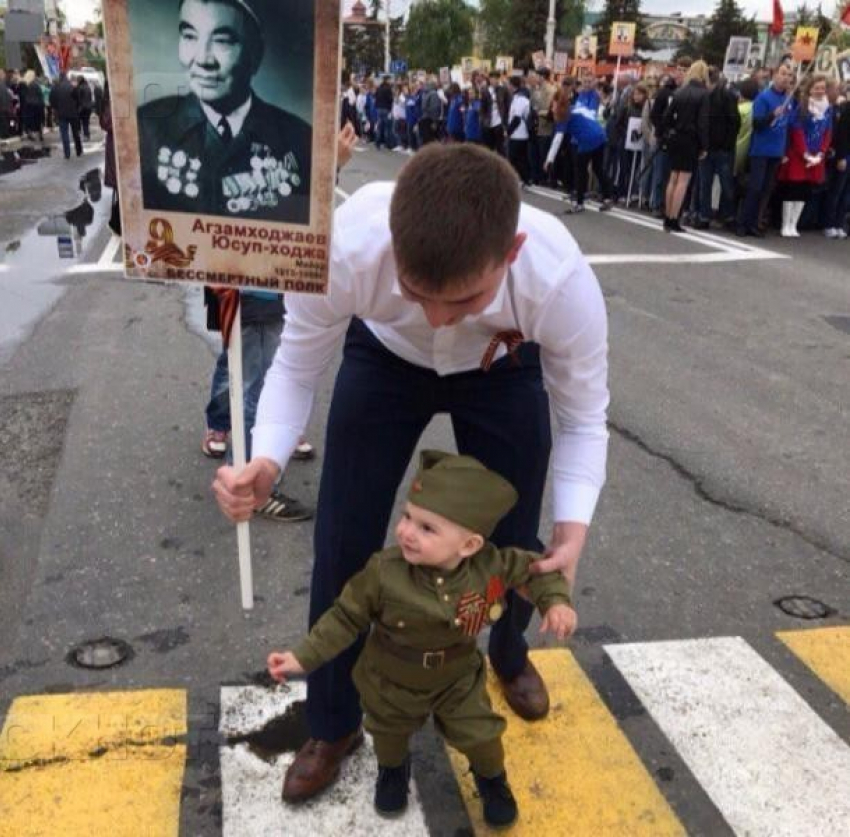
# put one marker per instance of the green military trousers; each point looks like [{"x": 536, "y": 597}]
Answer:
[{"x": 398, "y": 696}]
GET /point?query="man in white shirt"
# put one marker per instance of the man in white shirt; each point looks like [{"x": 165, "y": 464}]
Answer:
[
  {"x": 518, "y": 133},
  {"x": 492, "y": 95},
  {"x": 451, "y": 297}
]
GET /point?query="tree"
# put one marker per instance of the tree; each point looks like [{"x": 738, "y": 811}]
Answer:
[
  {"x": 438, "y": 33},
  {"x": 825, "y": 26},
  {"x": 571, "y": 18},
  {"x": 620, "y": 10},
  {"x": 805, "y": 16},
  {"x": 727, "y": 21},
  {"x": 689, "y": 48},
  {"x": 494, "y": 21},
  {"x": 518, "y": 27}
]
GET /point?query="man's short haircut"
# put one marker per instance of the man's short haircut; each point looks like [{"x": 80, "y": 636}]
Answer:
[
  {"x": 453, "y": 215},
  {"x": 684, "y": 63},
  {"x": 749, "y": 89}
]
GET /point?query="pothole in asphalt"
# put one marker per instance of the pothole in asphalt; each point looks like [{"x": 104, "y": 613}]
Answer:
[
  {"x": 100, "y": 653},
  {"x": 804, "y": 607}
]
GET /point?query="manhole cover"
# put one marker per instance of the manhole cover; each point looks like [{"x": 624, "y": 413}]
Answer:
[
  {"x": 100, "y": 653},
  {"x": 804, "y": 607}
]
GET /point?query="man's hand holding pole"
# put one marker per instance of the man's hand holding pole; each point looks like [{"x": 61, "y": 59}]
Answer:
[{"x": 239, "y": 492}]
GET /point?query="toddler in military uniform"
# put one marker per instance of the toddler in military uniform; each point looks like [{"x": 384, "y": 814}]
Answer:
[{"x": 426, "y": 600}]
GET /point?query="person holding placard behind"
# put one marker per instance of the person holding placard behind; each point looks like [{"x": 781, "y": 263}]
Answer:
[{"x": 773, "y": 110}]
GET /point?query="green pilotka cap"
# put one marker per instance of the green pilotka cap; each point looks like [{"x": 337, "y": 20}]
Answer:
[{"x": 462, "y": 490}]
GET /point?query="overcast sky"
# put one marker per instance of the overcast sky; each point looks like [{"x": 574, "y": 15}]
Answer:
[{"x": 79, "y": 11}]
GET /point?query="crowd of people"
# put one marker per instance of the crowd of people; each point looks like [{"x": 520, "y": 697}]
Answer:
[
  {"x": 31, "y": 104},
  {"x": 771, "y": 147}
]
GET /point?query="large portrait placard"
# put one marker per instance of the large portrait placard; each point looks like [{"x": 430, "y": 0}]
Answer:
[{"x": 225, "y": 121}]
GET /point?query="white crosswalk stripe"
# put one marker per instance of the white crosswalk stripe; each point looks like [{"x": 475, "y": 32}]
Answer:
[
  {"x": 768, "y": 762},
  {"x": 251, "y": 786}
]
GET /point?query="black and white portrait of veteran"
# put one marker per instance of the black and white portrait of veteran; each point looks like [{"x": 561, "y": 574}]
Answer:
[{"x": 216, "y": 147}]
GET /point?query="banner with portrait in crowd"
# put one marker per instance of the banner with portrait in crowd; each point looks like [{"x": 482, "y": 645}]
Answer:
[{"x": 225, "y": 120}]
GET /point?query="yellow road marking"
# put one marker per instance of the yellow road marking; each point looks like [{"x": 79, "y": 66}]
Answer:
[
  {"x": 87, "y": 764},
  {"x": 826, "y": 651},
  {"x": 574, "y": 772}
]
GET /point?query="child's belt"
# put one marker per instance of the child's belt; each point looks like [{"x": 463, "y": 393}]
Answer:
[{"x": 426, "y": 659}]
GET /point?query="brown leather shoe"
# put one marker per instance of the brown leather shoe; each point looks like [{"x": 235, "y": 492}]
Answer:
[
  {"x": 316, "y": 766},
  {"x": 526, "y": 694}
]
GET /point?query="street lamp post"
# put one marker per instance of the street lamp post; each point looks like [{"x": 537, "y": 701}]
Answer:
[
  {"x": 387, "y": 41},
  {"x": 550, "y": 31}
]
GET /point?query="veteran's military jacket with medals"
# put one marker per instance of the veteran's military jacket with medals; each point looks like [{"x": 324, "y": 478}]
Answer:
[
  {"x": 261, "y": 173},
  {"x": 427, "y": 608}
]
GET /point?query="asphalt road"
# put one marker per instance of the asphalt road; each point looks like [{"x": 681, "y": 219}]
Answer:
[{"x": 727, "y": 483}]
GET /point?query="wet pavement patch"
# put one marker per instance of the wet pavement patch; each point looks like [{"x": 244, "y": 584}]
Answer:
[
  {"x": 284, "y": 734},
  {"x": 597, "y": 634},
  {"x": 165, "y": 640},
  {"x": 842, "y": 323}
]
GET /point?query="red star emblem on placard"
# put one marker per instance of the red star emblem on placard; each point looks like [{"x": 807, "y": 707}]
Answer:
[{"x": 806, "y": 39}]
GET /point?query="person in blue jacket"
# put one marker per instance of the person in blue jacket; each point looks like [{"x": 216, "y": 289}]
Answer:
[
  {"x": 456, "y": 113},
  {"x": 588, "y": 96},
  {"x": 773, "y": 110},
  {"x": 588, "y": 138},
  {"x": 372, "y": 114},
  {"x": 472, "y": 129},
  {"x": 412, "y": 114}
]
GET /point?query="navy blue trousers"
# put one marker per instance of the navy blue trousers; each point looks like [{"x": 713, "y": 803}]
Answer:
[{"x": 380, "y": 406}]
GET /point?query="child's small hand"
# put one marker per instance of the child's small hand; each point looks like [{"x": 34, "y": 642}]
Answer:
[
  {"x": 280, "y": 664},
  {"x": 559, "y": 620}
]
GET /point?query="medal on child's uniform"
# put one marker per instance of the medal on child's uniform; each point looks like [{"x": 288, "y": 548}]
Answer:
[
  {"x": 495, "y": 592},
  {"x": 471, "y": 611}
]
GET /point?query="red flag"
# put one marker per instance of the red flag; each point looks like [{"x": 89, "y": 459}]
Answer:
[
  {"x": 778, "y": 19},
  {"x": 845, "y": 17}
]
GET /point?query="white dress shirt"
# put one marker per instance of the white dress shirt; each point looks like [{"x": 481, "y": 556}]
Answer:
[
  {"x": 556, "y": 303},
  {"x": 520, "y": 106},
  {"x": 495, "y": 113},
  {"x": 236, "y": 119}
]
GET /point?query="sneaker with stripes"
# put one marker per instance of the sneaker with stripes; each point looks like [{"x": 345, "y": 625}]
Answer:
[{"x": 283, "y": 508}]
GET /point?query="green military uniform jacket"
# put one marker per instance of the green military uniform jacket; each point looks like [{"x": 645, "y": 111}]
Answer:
[
  {"x": 262, "y": 173},
  {"x": 427, "y": 608}
]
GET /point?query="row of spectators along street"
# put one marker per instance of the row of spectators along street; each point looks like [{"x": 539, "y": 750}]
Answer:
[
  {"x": 31, "y": 104},
  {"x": 769, "y": 151}
]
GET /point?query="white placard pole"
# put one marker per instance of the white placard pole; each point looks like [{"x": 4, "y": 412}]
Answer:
[
  {"x": 632, "y": 179},
  {"x": 237, "y": 441},
  {"x": 616, "y": 79}
]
